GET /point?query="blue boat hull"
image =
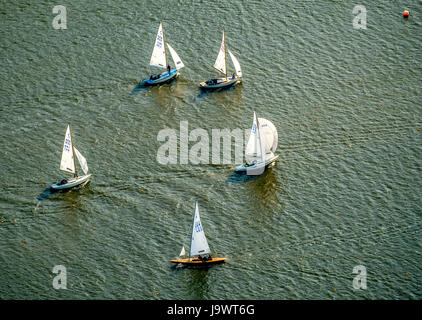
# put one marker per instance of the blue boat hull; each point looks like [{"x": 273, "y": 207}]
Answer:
[{"x": 161, "y": 78}]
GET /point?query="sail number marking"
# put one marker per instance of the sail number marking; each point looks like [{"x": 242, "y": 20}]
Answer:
[
  {"x": 67, "y": 144},
  {"x": 159, "y": 41},
  {"x": 198, "y": 227}
]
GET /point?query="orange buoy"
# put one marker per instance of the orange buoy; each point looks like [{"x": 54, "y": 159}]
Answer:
[{"x": 406, "y": 13}]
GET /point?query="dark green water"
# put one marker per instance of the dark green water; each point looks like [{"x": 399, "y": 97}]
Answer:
[{"x": 346, "y": 190}]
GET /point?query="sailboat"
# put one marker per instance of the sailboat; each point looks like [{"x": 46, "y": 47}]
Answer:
[
  {"x": 261, "y": 146},
  {"x": 221, "y": 66},
  {"x": 159, "y": 59},
  {"x": 200, "y": 253},
  {"x": 68, "y": 164}
]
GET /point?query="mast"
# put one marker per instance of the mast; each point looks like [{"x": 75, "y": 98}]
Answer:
[
  {"x": 164, "y": 44},
  {"x": 258, "y": 138},
  {"x": 261, "y": 146},
  {"x": 73, "y": 154},
  {"x": 225, "y": 51},
  {"x": 193, "y": 222}
]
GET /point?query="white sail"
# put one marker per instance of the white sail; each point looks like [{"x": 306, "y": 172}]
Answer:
[
  {"x": 67, "y": 163},
  {"x": 177, "y": 61},
  {"x": 270, "y": 134},
  {"x": 158, "y": 57},
  {"x": 251, "y": 147},
  {"x": 220, "y": 63},
  {"x": 255, "y": 149},
  {"x": 199, "y": 244},
  {"x": 261, "y": 143},
  {"x": 236, "y": 64},
  {"x": 182, "y": 252},
  {"x": 82, "y": 161}
]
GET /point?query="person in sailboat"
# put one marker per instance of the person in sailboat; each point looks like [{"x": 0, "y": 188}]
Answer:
[
  {"x": 64, "y": 181},
  {"x": 250, "y": 164},
  {"x": 168, "y": 68},
  {"x": 204, "y": 258}
]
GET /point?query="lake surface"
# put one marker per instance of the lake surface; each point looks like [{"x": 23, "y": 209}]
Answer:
[{"x": 345, "y": 191}]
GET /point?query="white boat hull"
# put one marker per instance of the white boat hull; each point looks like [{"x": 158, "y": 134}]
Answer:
[
  {"x": 72, "y": 183},
  {"x": 257, "y": 168},
  {"x": 212, "y": 84}
]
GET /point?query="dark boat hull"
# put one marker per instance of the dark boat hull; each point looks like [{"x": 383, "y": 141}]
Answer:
[{"x": 220, "y": 83}]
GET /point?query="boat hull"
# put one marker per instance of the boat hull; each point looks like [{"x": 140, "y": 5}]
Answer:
[
  {"x": 255, "y": 169},
  {"x": 72, "y": 183},
  {"x": 164, "y": 77},
  {"x": 220, "y": 83},
  {"x": 196, "y": 262}
]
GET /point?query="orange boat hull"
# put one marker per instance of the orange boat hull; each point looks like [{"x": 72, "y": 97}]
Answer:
[{"x": 198, "y": 262}]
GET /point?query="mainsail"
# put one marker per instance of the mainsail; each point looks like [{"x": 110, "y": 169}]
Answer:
[
  {"x": 220, "y": 63},
  {"x": 236, "y": 64},
  {"x": 255, "y": 149},
  {"x": 158, "y": 57},
  {"x": 199, "y": 244},
  {"x": 67, "y": 163},
  {"x": 82, "y": 161},
  {"x": 177, "y": 61}
]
